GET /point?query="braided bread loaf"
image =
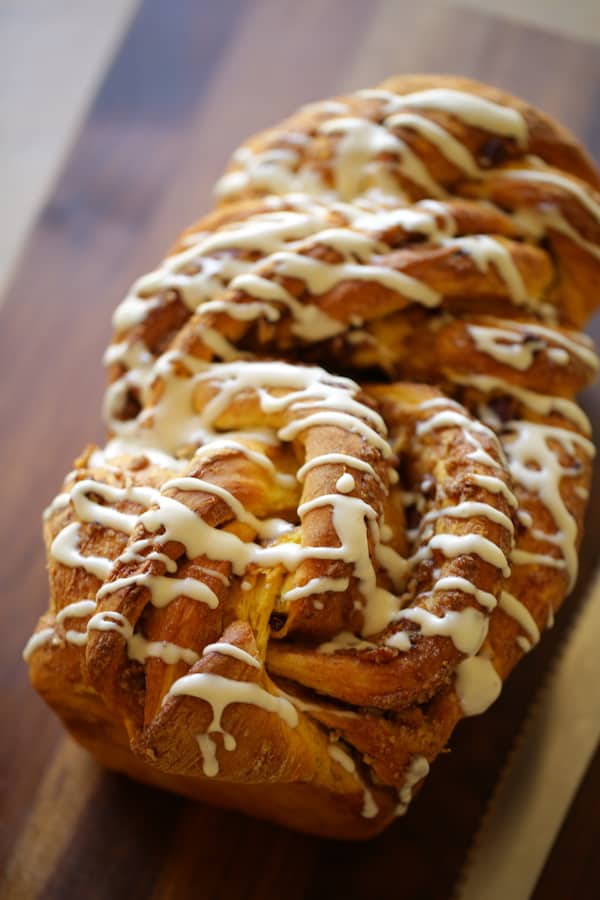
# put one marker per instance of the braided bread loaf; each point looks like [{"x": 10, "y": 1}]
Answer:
[{"x": 345, "y": 479}]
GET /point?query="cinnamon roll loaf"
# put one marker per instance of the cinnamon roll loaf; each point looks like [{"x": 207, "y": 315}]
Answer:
[{"x": 345, "y": 476}]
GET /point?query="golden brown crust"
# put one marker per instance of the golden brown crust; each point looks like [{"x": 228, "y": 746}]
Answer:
[
  {"x": 350, "y": 550},
  {"x": 548, "y": 139},
  {"x": 517, "y": 206}
]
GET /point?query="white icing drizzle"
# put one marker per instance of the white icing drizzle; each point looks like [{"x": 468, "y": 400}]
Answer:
[
  {"x": 524, "y": 518},
  {"x": 79, "y": 638},
  {"x": 399, "y": 641},
  {"x": 558, "y": 356},
  {"x": 342, "y": 420},
  {"x": 340, "y": 756},
  {"x": 536, "y": 467},
  {"x": 386, "y": 533},
  {"x": 110, "y": 620},
  {"x": 566, "y": 183},
  {"x": 261, "y": 459},
  {"x": 61, "y": 501},
  {"x": 65, "y": 549},
  {"x": 219, "y": 693},
  {"x": 467, "y": 629},
  {"x": 140, "y": 649},
  {"x": 477, "y": 685},
  {"x": 325, "y": 108},
  {"x": 343, "y": 458},
  {"x": 444, "y": 402},
  {"x": 80, "y": 609},
  {"x": 521, "y": 557},
  {"x": 548, "y": 219},
  {"x": 574, "y": 342},
  {"x": 208, "y": 750},
  {"x": 345, "y": 483},
  {"x": 485, "y": 251},
  {"x": 37, "y": 640},
  {"x": 451, "y": 415},
  {"x": 495, "y": 486},
  {"x": 200, "y": 274},
  {"x": 133, "y": 554},
  {"x": 348, "y": 518},
  {"x": 309, "y": 389},
  {"x": 519, "y": 612},
  {"x": 449, "y": 418},
  {"x": 418, "y": 769},
  {"x": 448, "y": 146},
  {"x": 421, "y": 218},
  {"x": 453, "y": 545},
  {"x": 469, "y": 108},
  {"x": 309, "y": 322},
  {"x": 174, "y": 422},
  {"x": 91, "y": 511},
  {"x": 357, "y": 164},
  {"x": 271, "y": 171},
  {"x": 468, "y": 509},
  {"x": 543, "y": 404},
  {"x": 512, "y": 346},
  {"x": 197, "y": 536},
  {"x": 321, "y": 277},
  {"x": 226, "y": 649},
  {"x": 154, "y": 519},
  {"x": 163, "y": 590},
  {"x": 319, "y": 585},
  {"x": 506, "y": 346},
  {"x": 369, "y": 807},
  {"x": 362, "y": 141},
  {"x": 456, "y": 583}
]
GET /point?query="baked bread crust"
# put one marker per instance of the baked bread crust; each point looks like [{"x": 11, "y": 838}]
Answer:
[{"x": 279, "y": 589}]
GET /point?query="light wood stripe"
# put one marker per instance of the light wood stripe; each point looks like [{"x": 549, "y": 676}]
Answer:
[{"x": 60, "y": 799}]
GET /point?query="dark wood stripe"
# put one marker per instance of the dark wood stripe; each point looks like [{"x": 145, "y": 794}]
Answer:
[
  {"x": 189, "y": 82},
  {"x": 571, "y": 872},
  {"x": 165, "y": 64},
  {"x": 118, "y": 843}
]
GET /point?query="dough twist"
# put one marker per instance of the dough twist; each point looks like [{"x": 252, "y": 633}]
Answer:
[{"x": 345, "y": 478}]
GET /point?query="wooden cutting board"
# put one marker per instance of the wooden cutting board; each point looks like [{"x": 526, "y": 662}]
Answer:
[{"x": 190, "y": 81}]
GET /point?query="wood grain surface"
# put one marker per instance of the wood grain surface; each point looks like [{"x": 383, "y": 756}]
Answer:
[{"x": 190, "y": 81}]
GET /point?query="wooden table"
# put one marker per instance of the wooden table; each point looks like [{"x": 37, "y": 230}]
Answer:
[{"x": 191, "y": 80}]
